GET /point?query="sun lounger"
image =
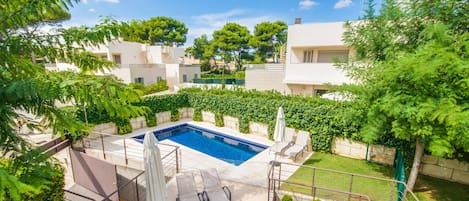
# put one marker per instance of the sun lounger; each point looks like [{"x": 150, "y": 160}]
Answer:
[
  {"x": 279, "y": 147},
  {"x": 300, "y": 145},
  {"x": 212, "y": 186},
  {"x": 187, "y": 190}
]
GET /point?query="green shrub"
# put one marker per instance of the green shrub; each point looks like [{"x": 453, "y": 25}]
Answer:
[
  {"x": 219, "y": 120},
  {"x": 156, "y": 87},
  {"x": 53, "y": 191},
  {"x": 150, "y": 119},
  {"x": 240, "y": 75},
  {"x": 175, "y": 115},
  {"x": 197, "y": 116},
  {"x": 287, "y": 198},
  {"x": 243, "y": 125},
  {"x": 137, "y": 86},
  {"x": 123, "y": 126}
]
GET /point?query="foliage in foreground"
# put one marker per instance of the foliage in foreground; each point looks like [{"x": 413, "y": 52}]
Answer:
[
  {"x": 26, "y": 87},
  {"x": 413, "y": 74},
  {"x": 152, "y": 88}
]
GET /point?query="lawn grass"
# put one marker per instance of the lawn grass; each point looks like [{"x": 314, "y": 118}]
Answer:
[
  {"x": 377, "y": 190},
  {"x": 433, "y": 189},
  {"x": 426, "y": 189}
]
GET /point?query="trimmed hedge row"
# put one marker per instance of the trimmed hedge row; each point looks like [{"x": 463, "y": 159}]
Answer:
[{"x": 324, "y": 119}]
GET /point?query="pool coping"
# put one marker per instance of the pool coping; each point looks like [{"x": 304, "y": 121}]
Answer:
[{"x": 225, "y": 135}]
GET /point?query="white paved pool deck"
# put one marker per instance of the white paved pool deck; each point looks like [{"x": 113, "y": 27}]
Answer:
[{"x": 247, "y": 181}]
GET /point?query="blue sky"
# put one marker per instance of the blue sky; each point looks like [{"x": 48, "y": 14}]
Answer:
[{"x": 205, "y": 16}]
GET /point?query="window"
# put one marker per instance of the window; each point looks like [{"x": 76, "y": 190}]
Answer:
[
  {"x": 158, "y": 78},
  {"x": 116, "y": 58},
  {"x": 139, "y": 80},
  {"x": 184, "y": 78},
  {"x": 328, "y": 56},
  {"x": 103, "y": 56},
  {"x": 195, "y": 76},
  {"x": 308, "y": 56}
]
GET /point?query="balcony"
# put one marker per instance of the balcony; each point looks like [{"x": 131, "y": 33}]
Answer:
[{"x": 315, "y": 73}]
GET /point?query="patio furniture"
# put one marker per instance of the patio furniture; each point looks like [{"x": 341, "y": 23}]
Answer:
[
  {"x": 280, "y": 147},
  {"x": 187, "y": 190},
  {"x": 213, "y": 187},
  {"x": 300, "y": 145}
]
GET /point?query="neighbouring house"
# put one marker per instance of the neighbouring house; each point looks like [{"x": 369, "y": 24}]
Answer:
[
  {"x": 309, "y": 64},
  {"x": 142, "y": 63}
]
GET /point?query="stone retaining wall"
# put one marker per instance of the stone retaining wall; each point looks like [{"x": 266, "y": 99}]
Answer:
[
  {"x": 231, "y": 122},
  {"x": 163, "y": 117},
  {"x": 452, "y": 170},
  {"x": 259, "y": 129},
  {"x": 138, "y": 122},
  {"x": 107, "y": 128},
  {"x": 186, "y": 112},
  {"x": 353, "y": 149},
  {"x": 208, "y": 117}
]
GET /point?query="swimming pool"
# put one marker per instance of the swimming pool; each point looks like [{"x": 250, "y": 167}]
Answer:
[{"x": 219, "y": 145}]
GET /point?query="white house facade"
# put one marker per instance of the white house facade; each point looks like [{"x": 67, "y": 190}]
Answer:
[
  {"x": 142, "y": 63},
  {"x": 311, "y": 53}
]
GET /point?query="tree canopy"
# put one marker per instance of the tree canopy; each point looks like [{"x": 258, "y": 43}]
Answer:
[
  {"x": 413, "y": 73},
  {"x": 157, "y": 30},
  {"x": 25, "y": 86},
  {"x": 268, "y": 37},
  {"x": 231, "y": 42}
]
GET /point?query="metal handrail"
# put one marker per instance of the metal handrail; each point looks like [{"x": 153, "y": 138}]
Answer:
[
  {"x": 353, "y": 174},
  {"x": 79, "y": 195},
  {"x": 125, "y": 185},
  {"x": 277, "y": 163},
  {"x": 327, "y": 189},
  {"x": 100, "y": 136}
]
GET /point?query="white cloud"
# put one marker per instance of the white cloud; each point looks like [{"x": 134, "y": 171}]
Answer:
[
  {"x": 342, "y": 4},
  {"x": 109, "y": 1},
  {"x": 307, "y": 4},
  {"x": 84, "y": 1},
  {"x": 92, "y": 10},
  {"x": 208, "y": 23}
]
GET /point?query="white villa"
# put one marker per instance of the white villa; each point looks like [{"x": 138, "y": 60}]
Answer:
[
  {"x": 141, "y": 63},
  {"x": 309, "y": 66}
]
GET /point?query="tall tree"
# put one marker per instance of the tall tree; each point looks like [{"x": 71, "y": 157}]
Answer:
[
  {"x": 157, "y": 30},
  {"x": 231, "y": 42},
  {"x": 203, "y": 50},
  {"x": 27, "y": 86},
  {"x": 268, "y": 37},
  {"x": 413, "y": 69}
]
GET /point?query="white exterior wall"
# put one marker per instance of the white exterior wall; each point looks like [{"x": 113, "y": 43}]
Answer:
[
  {"x": 172, "y": 75},
  {"x": 122, "y": 73},
  {"x": 315, "y": 34},
  {"x": 130, "y": 52},
  {"x": 314, "y": 74},
  {"x": 266, "y": 80},
  {"x": 190, "y": 71},
  {"x": 316, "y": 37},
  {"x": 167, "y": 55},
  {"x": 149, "y": 72}
]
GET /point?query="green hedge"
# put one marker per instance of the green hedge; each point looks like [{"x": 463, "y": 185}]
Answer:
[
  {"x": 324, "y": 119},
  {"x": 219, "y": 120}
]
